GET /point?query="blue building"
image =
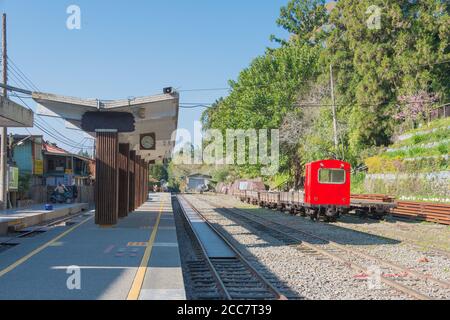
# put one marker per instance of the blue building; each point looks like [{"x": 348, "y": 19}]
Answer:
[{"x": 42, "y": 166}]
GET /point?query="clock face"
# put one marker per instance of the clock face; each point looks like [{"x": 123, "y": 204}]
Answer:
[{"x": 148, "y": 142}]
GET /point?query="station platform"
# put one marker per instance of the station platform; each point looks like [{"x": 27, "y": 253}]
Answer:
[
  {"x": 137, "y": 259},
  {"x": 18, "y": 219},
  {"x": 214, "y": 245}
]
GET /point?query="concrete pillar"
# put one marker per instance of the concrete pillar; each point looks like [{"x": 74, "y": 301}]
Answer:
[
  {"x": 107, "y": 178},
  {"x": 124, "y": 179},
  {"x": 132, "y": 198}
]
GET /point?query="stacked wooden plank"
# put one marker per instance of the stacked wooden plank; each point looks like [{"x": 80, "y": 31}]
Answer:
[
  {"x": 373, "y": 197},
  {"x": 425, "y": 211}
]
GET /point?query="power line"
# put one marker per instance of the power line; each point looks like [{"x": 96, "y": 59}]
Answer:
[
  {"x": 200, "y": 106},
  {"x": 15, "y": 67},
  {"x": 42, "y": 123},
  {"x": 206, "y": 89},
  {"x": 238, "y": 87},
  {"x": 20, "y": 76},
  {"x": 40, "y": 126}
]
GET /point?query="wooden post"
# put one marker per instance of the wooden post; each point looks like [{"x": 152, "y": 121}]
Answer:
[
  {"x": 107, "y": 178},
  {"x": 145, "y": 181},
  {"x": 138, "y": 181},
  {"x": 124, "y": 179},
  {"x": 132, "y": 199},
  {"x": 142, "y": 181}
]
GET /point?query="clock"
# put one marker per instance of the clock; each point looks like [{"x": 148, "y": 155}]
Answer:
[{"x": 148, "y": 141}]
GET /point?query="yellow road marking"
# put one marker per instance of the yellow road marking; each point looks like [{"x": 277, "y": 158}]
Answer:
[
  {"x": 138, "y": 281},
  {"x": 31, "y": 254}
]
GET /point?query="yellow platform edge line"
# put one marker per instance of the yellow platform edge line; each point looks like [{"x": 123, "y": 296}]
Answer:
[
  {"x": 138, "y": 281},
  {"x": 36, "y": 251}
]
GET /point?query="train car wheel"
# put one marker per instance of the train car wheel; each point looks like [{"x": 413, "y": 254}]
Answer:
[{"x": 363, "y": 214}]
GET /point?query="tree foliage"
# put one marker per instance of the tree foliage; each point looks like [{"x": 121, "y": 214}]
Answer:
[
  {"x": 374, "y": 69},
  {"x": 158, "y": 172},
  {"x": 303, "y": 19}
]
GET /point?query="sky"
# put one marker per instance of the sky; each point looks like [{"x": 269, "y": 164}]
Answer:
[{"x": 136, "y": 48}]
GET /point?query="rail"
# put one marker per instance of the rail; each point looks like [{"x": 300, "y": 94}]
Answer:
[{"x": 236, "y": 278}]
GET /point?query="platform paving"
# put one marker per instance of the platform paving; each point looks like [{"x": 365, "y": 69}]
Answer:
[
  {"x": 18, "y": 219},
  {"x": 109, "y": 259}
]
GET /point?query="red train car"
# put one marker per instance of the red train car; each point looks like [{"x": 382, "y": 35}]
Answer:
[
  {"x": 327, "y": 188},
  {"x": 326, "y": 194}
]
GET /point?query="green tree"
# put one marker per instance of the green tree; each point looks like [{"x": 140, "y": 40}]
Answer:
[
  {"x": 374, "y": 66},
  {"x": 159, "y": 172},
  {"x": 303, "y": 19},
  {"x": 264, "y": 93}
]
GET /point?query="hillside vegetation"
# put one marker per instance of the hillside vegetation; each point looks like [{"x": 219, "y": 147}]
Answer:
[
  {"x": 415, "y": 167},
  {"x": 387, "y": 75}
]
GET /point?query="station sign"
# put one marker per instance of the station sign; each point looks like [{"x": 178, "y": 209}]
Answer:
[
  {"x": 13, "y": 179},
  {"x": 38, "y": 167},
  {"x": 122, "y": 122}
]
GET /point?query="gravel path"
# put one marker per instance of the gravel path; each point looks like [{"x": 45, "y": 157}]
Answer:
[
  {"x": 428, "y": 236},
  {"x": 310, "y": 275},
  {"x": 429, "y": 263},
  {"x": 413, "y": 256}
]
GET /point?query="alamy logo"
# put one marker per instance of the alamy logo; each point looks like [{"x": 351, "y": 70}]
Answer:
[
  {"x": 232, "y": 147},
  {"x": 374, "y": 278},
  {"x": 374, "y": 20},
  {"x": 73, "y": 22},
  {"x": 74, "y": 280}
]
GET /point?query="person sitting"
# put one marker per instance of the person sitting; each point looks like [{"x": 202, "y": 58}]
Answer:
[
  {"x": 60, "y": 189},
  {"x": 74, "y": 191}
]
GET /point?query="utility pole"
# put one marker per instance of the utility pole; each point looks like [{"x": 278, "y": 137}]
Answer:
[
  {"x": 4, "y": 131},
  {"x": 333, "y": 99}
]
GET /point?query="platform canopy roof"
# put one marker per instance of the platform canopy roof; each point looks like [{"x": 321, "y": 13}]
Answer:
[
  {"x": 14, "y": 115},
  {"x": 156, "y": 116}
]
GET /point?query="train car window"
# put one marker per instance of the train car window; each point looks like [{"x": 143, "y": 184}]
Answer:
[{"x": 332, "y": 176}]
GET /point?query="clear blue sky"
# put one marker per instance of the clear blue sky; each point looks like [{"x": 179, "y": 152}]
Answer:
[{"x": 135, "y": 48}]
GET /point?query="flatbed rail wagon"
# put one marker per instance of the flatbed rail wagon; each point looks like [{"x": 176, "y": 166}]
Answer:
[{"x": 326, "y": 195}]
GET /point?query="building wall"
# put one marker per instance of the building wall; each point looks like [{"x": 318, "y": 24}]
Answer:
[
  {"x": 196, "y": 182},
  {"x": 24, "y": 158}
]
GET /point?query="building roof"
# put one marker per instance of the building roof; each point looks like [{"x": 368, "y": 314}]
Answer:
[
  {"x": 199, "y": 175},
  {"x": 156, "y": 115},
  {"x": 52, "y": 149}
]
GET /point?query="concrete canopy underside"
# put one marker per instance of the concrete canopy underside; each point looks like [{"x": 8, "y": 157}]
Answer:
[
  {"x": 129, "y": 134},
  {"x": 14, "y": 115},
  {"x": 153, "y": 114}
]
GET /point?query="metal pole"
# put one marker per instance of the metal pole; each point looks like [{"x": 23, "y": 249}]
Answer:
[
  {"x": 4, "y": 132},
  {"x": 336, "y": 141}
]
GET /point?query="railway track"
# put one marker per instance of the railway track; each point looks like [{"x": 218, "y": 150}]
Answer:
[
  {"x": 393, "y": 275},
  {"x": 225, "y": 278},
  {"x": 411, "y": 242}
]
